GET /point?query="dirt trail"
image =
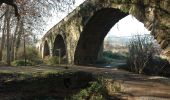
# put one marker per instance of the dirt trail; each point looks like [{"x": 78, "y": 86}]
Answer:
[{"x": 135, "y": 87}]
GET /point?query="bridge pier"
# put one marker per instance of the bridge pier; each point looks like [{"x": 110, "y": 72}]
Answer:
[{"x": 85, "y": 60}]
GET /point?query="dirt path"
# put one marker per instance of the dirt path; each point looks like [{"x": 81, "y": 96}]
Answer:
[{"x": 135, "y": 87}]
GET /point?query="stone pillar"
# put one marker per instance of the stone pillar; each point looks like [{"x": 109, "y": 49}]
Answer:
[
  {"x": 51, "y": 49},
  {"x": 100, "y": 54},
  {"x": 167, "y": 53},
  {"x": 42, "y": 51}
]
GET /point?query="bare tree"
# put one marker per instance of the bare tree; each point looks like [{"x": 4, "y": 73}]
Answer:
[
  {"x": 3, "y": 38},
  {"x": 31, "y": 14},
  {"x": 12, "y": 3},
  {"x": 8, "y": 17},
  {"x": 141, "y": 51}
]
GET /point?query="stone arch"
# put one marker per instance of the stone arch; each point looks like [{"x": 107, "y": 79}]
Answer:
[
  {"x": 93, "y": 34},
  {"x": 46, "y": 51},
  {"x": 59, "y": 44}
]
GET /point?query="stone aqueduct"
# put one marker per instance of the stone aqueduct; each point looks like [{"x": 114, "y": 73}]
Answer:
[{"x": 80, "y": 35}]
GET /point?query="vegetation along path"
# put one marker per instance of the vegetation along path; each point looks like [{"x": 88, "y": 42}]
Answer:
[{"x": 133, "y": 86}]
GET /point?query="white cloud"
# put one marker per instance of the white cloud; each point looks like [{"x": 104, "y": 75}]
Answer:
[
  {"x": 78, "y": 2},
  {"x": 128, "y": 26}
]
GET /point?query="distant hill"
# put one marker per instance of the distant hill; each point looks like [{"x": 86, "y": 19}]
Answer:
[
  {"x": 117, "y": 40},
  {"x": 118, "y": 44},
  {"x": 120, "y": 41}
]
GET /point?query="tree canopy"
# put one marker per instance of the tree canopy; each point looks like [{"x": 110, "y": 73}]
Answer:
[{"x": 31, "y": 16}]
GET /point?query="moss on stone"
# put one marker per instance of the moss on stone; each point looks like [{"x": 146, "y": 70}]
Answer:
[{"x": 126, "y": 9}]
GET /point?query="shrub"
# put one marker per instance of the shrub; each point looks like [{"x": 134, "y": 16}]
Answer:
[
  {"x": 141, "y": 51},
  {"x": 3, "y": 63},
  {"x": 103, "y": 60},
  {"x": 159, "y": 67},
  {"x": 37, "y": 61},
  {"x": 31, "y": 54},
  {"x": 111, "y": 55},
  {"x": 94, "y": 92},
  {"x": 52, "y": 60},
  {"x": 100, "y": 90},
  {"x": 4, "y": 56},
  {"x": 21, "y": 63}
]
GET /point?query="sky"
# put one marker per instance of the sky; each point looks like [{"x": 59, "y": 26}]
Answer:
[
  {"x": 127, "y": 26},
  {"x": 55, "y": 18}
]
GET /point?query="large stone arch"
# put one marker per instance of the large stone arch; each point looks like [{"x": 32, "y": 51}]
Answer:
[
  {"x": 59, "y": 45},
  {"x": 94, "y": 32}
]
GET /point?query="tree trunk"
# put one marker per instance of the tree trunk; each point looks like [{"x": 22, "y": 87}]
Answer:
[
  {"x": 13, "y": 42},
  {"x": 12, "y": 47},
  {"x": 25, "y": 59},
  {"x": 2, "y": 40},
  {"x": 8, "y": 36},
  {"x": 17, "y": 41}
]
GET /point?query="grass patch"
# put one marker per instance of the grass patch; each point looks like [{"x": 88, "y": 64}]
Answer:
[
  {"x": 54, "y": 60},
  {"x": 22, "y": 63},
  {"x": 8, "y": 76},
  {"x": 94, "y": 92},
  {"x": 101, "y": 89},
  {"x": 113, "y": 59},
  {"x": 116, "y": 55},
  {"x": 3, "y": 63}
]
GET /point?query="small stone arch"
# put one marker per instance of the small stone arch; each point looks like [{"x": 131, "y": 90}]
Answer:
[
  {"x": 59, "y": 45},
  {"x": 46, "y": 51}
]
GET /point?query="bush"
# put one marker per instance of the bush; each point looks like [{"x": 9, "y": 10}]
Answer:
[
  {"x": 103, "y": 60},
  {"x": 159, "y": 67},
  {"x": 38, "y": 61},
  {"x": 2, "y": 63},
  {"x": 111, "y": 55},
  {"x": 94, "y": 92},
  {"x": 31, "y": 54},
  {"x": 21, "y": 63},
  {"x": 100, "y": 90},
  {"x": 141, "y": 52},
  {"x": 52, "y": 60}
]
